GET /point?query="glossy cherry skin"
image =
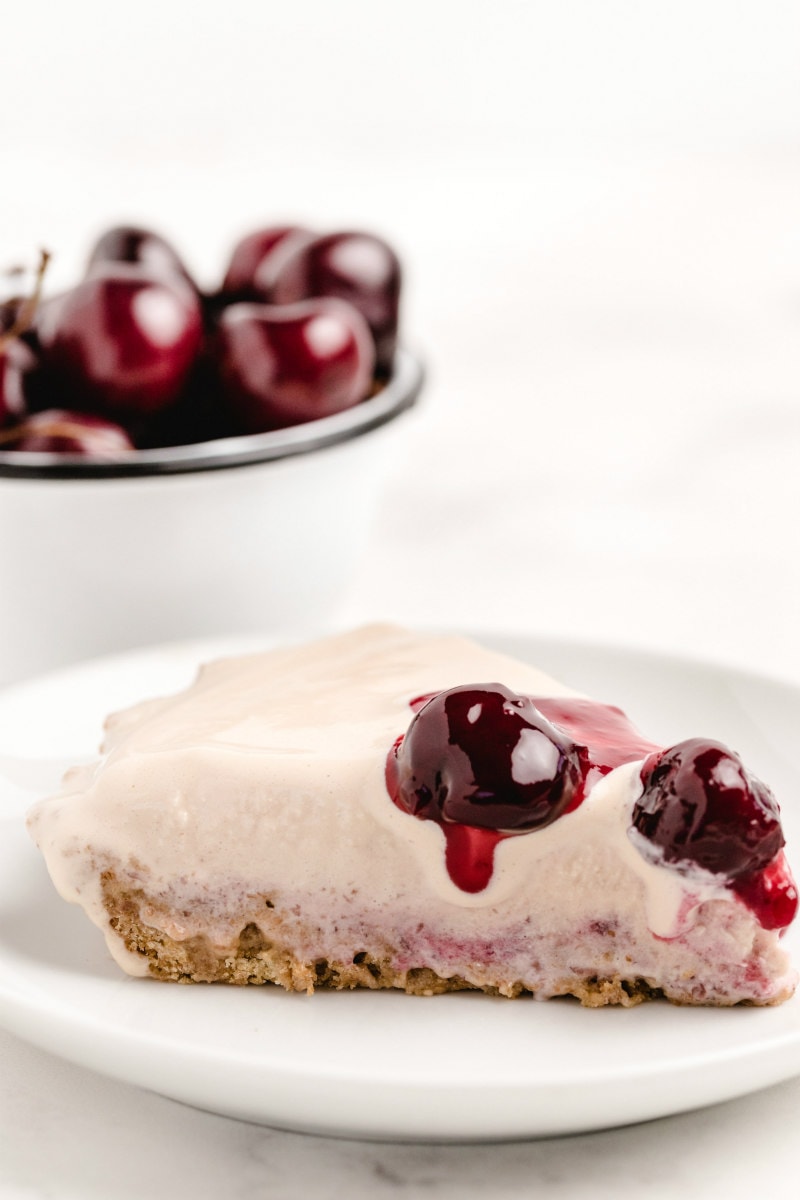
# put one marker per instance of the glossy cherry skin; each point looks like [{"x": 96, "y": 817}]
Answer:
[
  {"x": 290, "y": 364},
  {"x": 143, "y": 248},
  {"x": 257, "y": 259},
  {"x": 122, "y": 342},
  {"x": 483, "y": 756},
  {"x": 700, "y": 805},
  {"x": 59, "y": 431},
  {"x": 357, "y": 267}
]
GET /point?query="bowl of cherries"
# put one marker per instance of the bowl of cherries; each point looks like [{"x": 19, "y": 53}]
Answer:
[{"x": 179, "y": 462}]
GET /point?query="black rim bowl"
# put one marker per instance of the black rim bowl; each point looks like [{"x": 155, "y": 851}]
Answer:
[{"x": 399, "y": 394}]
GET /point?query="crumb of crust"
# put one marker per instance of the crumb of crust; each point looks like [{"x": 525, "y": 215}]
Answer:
[
  {"x": 597, "y": 992},
  {"x": 258, "y": 958}
]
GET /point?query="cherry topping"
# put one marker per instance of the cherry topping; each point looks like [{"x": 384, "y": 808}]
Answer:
[
  {"x": 285, "y": 365},
  {"x": 458, "y": 765},
  {"x": 65, "y": 432},
  {"x": 701, "y": 805},
  {"x": 123, "y": 340},
  {"x": 483, "y": 756}
]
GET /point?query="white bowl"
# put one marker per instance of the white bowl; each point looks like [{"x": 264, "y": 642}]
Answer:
[{"x": 248, "y": 534}]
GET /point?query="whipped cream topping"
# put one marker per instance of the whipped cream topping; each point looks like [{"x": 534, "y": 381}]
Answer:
[{"x": 267, "y": 776}]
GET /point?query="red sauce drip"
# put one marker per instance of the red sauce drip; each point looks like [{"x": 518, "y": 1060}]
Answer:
[
  {"x": 469, "y": 855},
  {"x": 770, "y": 894},
  {"x": 469, "y": 851}
]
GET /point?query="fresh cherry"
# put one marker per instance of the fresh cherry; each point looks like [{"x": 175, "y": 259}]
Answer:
[
  {"x": 123, "y": 341},
  {"x": 257, "y": 260},
  {"x": 701, "y": 805},
  {"x": 136, "y": 342},
  {"x": 64, "y": 432},
  {"x": 291, "y": 364},
  {"x": 483, "y": 756},
  {"x": 142, "y": 247},
  {"x": 356, "y": 267}
]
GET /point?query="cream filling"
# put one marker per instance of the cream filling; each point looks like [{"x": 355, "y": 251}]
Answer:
[{"x": 267, "y": 777}]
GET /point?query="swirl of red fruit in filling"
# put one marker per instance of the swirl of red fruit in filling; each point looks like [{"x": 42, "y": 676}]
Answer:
[{"x": 485, "y": 764}]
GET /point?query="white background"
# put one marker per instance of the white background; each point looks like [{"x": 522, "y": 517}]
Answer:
[{"x": 598, "y": 207}]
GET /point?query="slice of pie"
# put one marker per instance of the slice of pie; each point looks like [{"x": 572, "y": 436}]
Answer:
[{"x": 383, "y": 809}]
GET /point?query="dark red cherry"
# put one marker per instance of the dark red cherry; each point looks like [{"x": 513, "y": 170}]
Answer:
[
  {"x": 122, "y": 341},
  {"x": 701, "y": 805},
  {"x": 59, "y": 431},
  {"x": 142, "y": 247},
  {"x": 291, "y": 364},
  {"x": 257, "y": 260},
  {"x": 483, "y": 756},
  {"x": 356, "y": 267}
]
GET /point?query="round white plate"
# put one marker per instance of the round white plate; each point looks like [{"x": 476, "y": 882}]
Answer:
[{"x": 379, "y": 1064}]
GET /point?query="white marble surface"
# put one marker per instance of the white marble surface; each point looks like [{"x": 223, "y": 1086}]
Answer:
[
  {"x": 68, "y": 1134},
  {"x": 600, "y": 224}
]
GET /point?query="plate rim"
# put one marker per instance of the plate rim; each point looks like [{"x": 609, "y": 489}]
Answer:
[{"x": 772, "y": 1045}]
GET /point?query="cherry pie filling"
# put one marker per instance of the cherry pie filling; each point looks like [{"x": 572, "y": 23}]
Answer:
[{"x": 486, "y": 764}]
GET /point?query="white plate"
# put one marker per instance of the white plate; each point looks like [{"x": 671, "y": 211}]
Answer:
[{"x": 381, "y": 1065}]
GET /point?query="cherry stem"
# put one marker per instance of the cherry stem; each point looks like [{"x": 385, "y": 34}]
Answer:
[{"x": 27, "y": 309}]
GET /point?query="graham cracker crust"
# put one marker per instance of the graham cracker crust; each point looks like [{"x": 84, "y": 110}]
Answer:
[{"x": 258, "y": 958}]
